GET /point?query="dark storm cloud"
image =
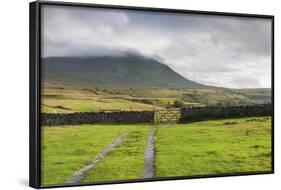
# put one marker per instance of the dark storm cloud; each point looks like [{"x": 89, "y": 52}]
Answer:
[{"x": 215, "y": 50}]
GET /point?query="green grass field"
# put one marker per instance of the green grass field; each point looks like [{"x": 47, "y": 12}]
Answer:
[
  {"x": 126, "y": 161},
  {"x": 199, "y": 148},
  {"x": 66, "y": 149},
  {"x": 214, "y": 147},
  {"x": 69, "y": 100}
]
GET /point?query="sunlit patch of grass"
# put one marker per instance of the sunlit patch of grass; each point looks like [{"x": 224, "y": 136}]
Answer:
[
  {"x": 125, "y": 162},
  {"x": 78, "y": 99},
  {"x": 67, "y": 149},
  {"x": 212, "y": 147}
]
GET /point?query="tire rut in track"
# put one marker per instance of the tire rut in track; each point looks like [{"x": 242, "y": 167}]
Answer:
[
  {"x": 80, "y": 174},
  {"x": 148, "y": 170}
]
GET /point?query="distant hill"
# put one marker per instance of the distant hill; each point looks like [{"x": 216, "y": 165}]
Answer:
[{"x": 113, "y": 71}]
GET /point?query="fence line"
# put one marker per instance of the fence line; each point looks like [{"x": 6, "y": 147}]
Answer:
[
  {"x": 212, "y": 112},
  {"x": 155, "y": 116}
]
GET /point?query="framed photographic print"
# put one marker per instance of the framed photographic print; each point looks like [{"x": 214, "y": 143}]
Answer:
[{"x": 131, "y": 94}]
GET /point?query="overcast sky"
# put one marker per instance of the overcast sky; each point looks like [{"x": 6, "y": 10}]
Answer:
[{"x": 231, "y": 52}]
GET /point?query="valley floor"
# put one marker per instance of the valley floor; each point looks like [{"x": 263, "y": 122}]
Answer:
[{"x": 199, "y": 148}]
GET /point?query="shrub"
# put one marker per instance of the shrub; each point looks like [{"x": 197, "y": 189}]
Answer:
[{"x": 178, "y": 104}]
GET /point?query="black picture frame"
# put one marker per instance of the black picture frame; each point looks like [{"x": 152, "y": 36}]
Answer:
[{"x": 35, "y": 85}]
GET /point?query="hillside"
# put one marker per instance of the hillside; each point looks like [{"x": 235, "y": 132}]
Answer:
[{"x": 123, "y": 71}]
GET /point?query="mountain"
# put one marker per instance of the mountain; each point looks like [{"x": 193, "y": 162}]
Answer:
[{"x": 113, "y": 71}]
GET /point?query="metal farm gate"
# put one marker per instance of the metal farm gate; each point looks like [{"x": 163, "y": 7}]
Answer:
[{"x": 167, "y": 116}]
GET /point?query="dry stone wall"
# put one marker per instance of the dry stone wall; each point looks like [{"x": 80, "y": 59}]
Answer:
[
  {"x": 187, "y": 114},
  {"x": 97, "y": 117},
  {"x": 203, "y": 113}
]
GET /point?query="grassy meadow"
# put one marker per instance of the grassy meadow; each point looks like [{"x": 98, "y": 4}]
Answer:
[
  {"x": 214, "y": 147},
  {"x": 66, "y": 149},
  {"x": 199, "y": 148},
  {"x": 69, "y": 100}
]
